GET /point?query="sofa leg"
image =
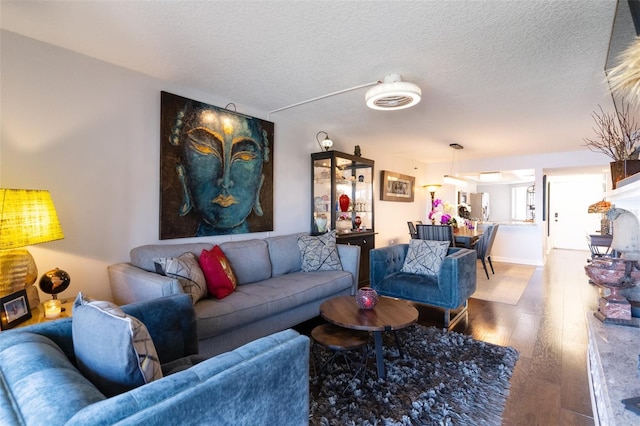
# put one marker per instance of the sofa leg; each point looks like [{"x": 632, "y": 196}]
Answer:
[{"x": 449, "y": 322}]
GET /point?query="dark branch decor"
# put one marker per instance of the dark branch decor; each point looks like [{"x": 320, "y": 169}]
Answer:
[
  {"x": 443, "y": 378},
  {"x": 618, "y": 137}
]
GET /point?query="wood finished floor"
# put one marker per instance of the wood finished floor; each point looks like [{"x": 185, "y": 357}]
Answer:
[{"x": 548, "y": 326}]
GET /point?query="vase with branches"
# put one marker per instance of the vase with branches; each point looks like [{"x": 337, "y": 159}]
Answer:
[{"x": 618, "y": 137}]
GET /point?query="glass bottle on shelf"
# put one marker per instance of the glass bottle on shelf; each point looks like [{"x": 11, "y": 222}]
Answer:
[{"x": 342, "y": 193}]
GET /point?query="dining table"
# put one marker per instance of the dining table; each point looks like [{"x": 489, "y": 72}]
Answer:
[{"x": 466, "y": 237}]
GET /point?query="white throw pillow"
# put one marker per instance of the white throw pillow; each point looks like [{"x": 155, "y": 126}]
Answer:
[
  {"x": 319, "y": 253},
  {"x": 425, "y": 257},
  {"x": 187, "y": 270},
  {"x": 113, "y": 350}
]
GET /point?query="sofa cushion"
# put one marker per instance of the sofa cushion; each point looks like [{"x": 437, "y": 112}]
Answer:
[
  {"x": 249, "y": 259},
  {"x": 425, "y": 257},
  {"x": 258, "y": 301},
  {"x": 319, "y": 253},
  {"x": 113, "y": 349},
  {"x": 217, "y": 270},
  {"x": 284, "y": 254},
  {"x": 188, "y": 272}
]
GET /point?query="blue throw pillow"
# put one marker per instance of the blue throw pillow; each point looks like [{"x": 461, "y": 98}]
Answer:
[
  {"x": 113, "y": 350},
  {"x": 425, "y": 257}
]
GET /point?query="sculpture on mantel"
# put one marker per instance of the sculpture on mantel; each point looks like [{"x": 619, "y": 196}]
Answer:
[{"x": 621, "y": 273}]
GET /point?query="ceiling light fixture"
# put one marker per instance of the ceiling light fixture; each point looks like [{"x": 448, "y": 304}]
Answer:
[
  {"x": 326, "y": 142},
  {"x": 451, "y": 179},
  {"x": 393, "y": 93},
  {"x": 490, "y": 177}
]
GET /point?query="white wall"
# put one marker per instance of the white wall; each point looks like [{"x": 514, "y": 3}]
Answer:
[{"x": 89, "y": 132}]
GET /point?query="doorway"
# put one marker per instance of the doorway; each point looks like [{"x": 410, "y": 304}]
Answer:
[{"x": 569, "y": 200}]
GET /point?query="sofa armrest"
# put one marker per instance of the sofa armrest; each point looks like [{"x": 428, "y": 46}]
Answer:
[
  {"x": 171, "y": 322},
  {"x": 268, "y": 376},
  {"x": 130, "y": 284},
  {"x": 350, "y": 259},
  {"x": 457, "y": 275}
]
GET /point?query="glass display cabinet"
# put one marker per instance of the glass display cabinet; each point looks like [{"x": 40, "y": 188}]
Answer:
[{"x": 342, "y": 199}]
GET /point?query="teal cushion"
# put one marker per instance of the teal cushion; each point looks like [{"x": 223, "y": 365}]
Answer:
[
  {"x": 319, "y": 253},
  {"x": 113, "y": 350},
  {"x": 425, "y": 257}
]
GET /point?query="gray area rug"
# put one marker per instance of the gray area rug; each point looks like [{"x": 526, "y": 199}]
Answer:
[{"x": 443, "y": 379}]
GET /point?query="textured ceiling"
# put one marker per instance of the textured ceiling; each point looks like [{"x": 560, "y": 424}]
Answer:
[{"x": 499, "y": 77}]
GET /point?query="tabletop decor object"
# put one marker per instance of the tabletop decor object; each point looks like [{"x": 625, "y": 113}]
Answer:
[
  {"x": 614, "y": 274},
  {"x": 367, "y": 298},
  {"x": 14, "y": 309},
  {"x": 53, "y": 282}
]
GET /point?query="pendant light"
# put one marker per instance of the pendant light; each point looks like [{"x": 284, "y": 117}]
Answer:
[{"x": 451, "y": 179}]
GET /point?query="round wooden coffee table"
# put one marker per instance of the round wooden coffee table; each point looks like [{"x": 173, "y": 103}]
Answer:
[{"x": 388, "y": 315}]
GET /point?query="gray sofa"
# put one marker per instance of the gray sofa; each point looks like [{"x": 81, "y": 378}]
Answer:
[
  {"x": 272, "y": 293},
  {"x": 264, "y": 382}
]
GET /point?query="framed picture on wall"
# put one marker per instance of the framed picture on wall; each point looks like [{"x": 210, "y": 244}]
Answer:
[
  {"x": 14, "y": 309},
  {"x": 396, "y": 187},
  {"x": 216, "y": 170},
  {"x": 463, "y": 197}
]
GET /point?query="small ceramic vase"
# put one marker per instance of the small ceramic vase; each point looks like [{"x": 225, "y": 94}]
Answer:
[
  {"x": 367, "y": 298},
  {"x": 344, "y": 202}
]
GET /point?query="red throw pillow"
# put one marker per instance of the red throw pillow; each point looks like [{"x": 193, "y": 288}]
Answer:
[{"x": 221, "y": 281}]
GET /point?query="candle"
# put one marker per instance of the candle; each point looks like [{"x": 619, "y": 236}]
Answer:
[{"x": 52, "y": 308}]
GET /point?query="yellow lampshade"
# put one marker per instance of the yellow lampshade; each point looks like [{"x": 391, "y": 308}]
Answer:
[{"x": 27, "y": 217}]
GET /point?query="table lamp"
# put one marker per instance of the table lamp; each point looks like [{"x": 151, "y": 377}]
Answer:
[
  {"x": 602, "y": 207},
  {"x": 27, "y": 217}
]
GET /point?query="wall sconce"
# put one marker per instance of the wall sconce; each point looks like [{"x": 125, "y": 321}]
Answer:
[
  {"x": 326, "y": 143},
  {"x": 27, "y": 217},
  {"x": 432, "y": 190}
]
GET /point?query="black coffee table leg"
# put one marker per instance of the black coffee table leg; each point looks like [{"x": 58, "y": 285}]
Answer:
[{"x": 377, "y": 338}]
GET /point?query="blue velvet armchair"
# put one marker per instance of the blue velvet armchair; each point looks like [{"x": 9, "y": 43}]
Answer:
[{"x": 455, "y": 283}]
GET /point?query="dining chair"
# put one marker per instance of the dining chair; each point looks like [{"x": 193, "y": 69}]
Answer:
[
  {"x": 412, "y": 231},
  {"x": 484, "y": 245},
  {"x": 436, "y": 233}
]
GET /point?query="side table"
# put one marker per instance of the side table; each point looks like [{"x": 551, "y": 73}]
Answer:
[
  {"x": 37, "y": 314},
  {"x": 340, "y": 340}
]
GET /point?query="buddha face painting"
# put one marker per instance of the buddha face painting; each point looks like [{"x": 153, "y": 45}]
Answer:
[{"x": 220, "y": 166}]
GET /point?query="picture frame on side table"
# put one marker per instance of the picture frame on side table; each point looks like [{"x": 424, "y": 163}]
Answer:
[
  {"x": 14, "y": 309},
  {"x": 397, "y": 187}
]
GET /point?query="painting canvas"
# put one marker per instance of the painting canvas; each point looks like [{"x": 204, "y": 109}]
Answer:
[
  {"x": 396, "y": 187},
  {"x": 216, "y": 170}
]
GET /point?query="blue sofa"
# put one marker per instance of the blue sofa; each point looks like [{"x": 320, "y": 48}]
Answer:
[
  {"x": 455, "y": 283},
  {"x": 265, "y": 381},
  {"x": 273, "y": 293}
]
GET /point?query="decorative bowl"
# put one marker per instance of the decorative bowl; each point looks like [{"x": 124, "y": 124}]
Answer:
[{"x": 366, "y": 298}]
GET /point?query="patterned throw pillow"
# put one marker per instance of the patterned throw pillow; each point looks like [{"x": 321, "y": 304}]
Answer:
[
  {"x": 425, "y": 257},
  {"x": 113, "y": 350},
  {"x": 319, "y": 253},
  {"x": 188, "y": 272},
  {"x": 221, "y": 281}
]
